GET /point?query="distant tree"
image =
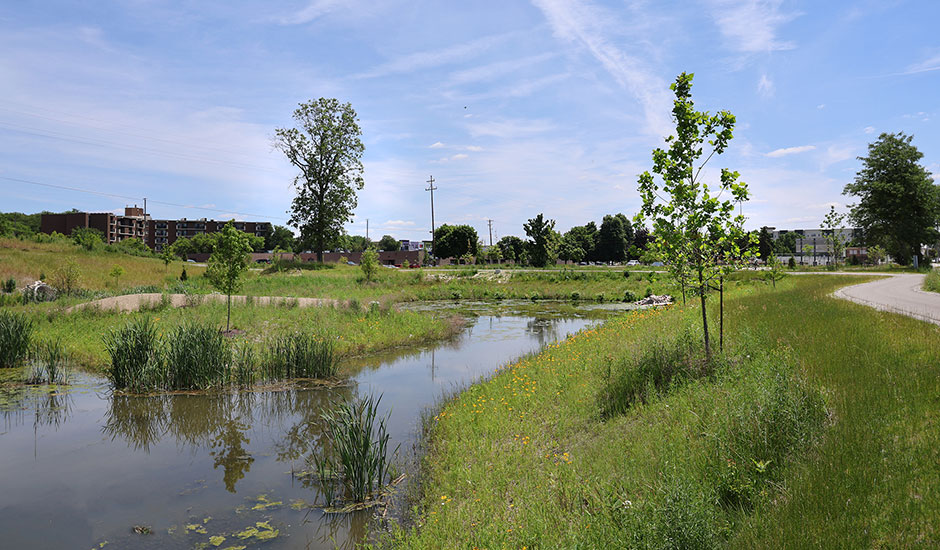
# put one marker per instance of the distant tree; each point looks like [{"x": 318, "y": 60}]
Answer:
[
  {"x": 692, "y": 227},
  {"x": 369, "y": 263},
  {"x": 389, "y": 243},
  {"x": 791, "y": 263},
  {"x": 328, "y": 151},
  {"x": 612, "y": 241},
  {"x": 765, "y": 243},
  {"x": 583, "y": 237},
  {"x": 898, "y": 204},
  {"x": 786, "y": 243},
  {"x": 66, "y": 277},
  {"x": 355, "y": 243},
  {"x": 494, "y": 255},
  {"x": 88, "y": 238},
  {"x": 512, "y": 248},
  {"x": 167, "y": 256},
  {"x": 115, "y": 274},
  {"x": 832, "y": 226},
  {"x": 543, "y": 240},
  {"x": 17, "y": 224},
  {"x": 228, "y": 262},
  {"x": 455, "y": 241},
  {"x": 281, "y": 237},
  {"x": 569, "y": 249},
  {"x": 876, "y": 254}
]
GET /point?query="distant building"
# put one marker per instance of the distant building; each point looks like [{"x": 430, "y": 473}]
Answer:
[
  {"x": 411, "y": 246},
  {"x": 114, "y": 228},
  {"x": 156, "y": 234},
  {"x": 812, "y": 244}
]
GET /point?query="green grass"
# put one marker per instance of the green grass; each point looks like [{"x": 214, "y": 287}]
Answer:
[
  {"x": 732, "y": 459},
  {"x": 932, "y": 280},
  {"x": 16, "y": 332},
  {"x": 299, "y": 355}
]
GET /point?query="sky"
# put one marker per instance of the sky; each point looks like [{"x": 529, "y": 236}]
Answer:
[{"x": 516, "y": 108}]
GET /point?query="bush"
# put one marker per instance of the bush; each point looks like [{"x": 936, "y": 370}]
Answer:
[
  {"x": 66, "y": 278},
  {"x": 16, "y": 333},
  {"x": 932, "y": 280},
  {"x": 629, "y": 296},
  {"x": 648, "y": 292},
  {"x": 791, "y": 263},
  {"x": 9, "y": 285},
  {"x": 575, "y": 296}
]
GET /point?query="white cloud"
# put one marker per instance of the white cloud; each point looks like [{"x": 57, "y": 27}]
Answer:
[
  {"x": 509, "y": 128},
  {"x": 400, "y": 223},
  {"x": 750, "y": 26},
  {"x": 459, "y": 156},
  {"x": 475, "y": 148},
  {"x": 586, "y": 25},
  {"x": 765, "y": 86},
  {"x": 436, "y": 145},
  {"x": 776, "y": 153},
  {"x": 821, "y": 106},
  {"x": 313, "y": 10},
  {"x": 931, "y": 63},
  {"x": 838, "y": 153},
  {"x": 436, "y": 57},
  {"x": 496, "y": 70},
  {"x": 869, "y": 129}
]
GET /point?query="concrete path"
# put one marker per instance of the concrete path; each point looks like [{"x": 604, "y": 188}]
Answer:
[
  {"x": 133, "y": 302},
  {"x": 900, "y": 293}
]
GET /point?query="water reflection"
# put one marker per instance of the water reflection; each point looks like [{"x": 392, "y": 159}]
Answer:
[{"x": 47, "y": 405}]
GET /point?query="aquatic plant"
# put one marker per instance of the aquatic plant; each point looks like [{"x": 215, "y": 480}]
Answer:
[
  {"x": 134, "y": 352},
  {"x": 15, "y": 335},
  {"x": 197, "y": 357},
  {"x": 50, "y": 364},
  {"x": 299, "y": 355},
  {"x": 357, "y": 453}
]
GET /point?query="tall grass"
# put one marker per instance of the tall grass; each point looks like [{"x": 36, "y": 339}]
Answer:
[
  {"x": 135, "y": 356},
  {"x": 357, "y": 451},
  {"x": 932, "y": 280},
  {"x": 196, "y": 357},
  {"x": 16, "y": 332},
  {"x": 50, "y": 364},
  {"x": 299, "y": 355}
]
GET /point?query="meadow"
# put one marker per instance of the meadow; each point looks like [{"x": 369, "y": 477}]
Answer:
[{"x": 815, "y": 429}]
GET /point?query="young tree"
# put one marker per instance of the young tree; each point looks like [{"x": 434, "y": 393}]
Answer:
[
  {"x": 67, "y": 277},
  {"x": 167, "y": 256},
  {"x": 775, "y": 270},
  {"x": 543, "y": 240},
  {"x": 116, "y": 273},
  {"x": 369, "y": 263},
  {"x": 832, "y": 226},
  {"x": 876, "y": 254},
  {"x": 389, "y": 243},
  {"x": 228, "y": 262},
  {"x": 898, "y": 204},
  {"x": 328, "y": 151},
  {"x": 691, "y": 226}
]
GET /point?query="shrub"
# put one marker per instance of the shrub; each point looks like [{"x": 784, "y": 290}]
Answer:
[
  {"x": 9, "y": 285},
  {"x": 599, "y": 297},
  {"x": 67, "y": 277},
  {"x": 183, "y": 275},
  {"x": 357, "y": 453},
  {"x": 197, "y": 357},
  {"x": 134, "y": 351},
  {"x": 648, "y": 292},
  {"x": 575, "y": 296},
  {"x": 629, "y": 296},
  {"x": 16, "y": 333},
  {"x": 932, "y": 280},
  {"x": 626, "y": 273},
  {"x": 791, "y": 263}
]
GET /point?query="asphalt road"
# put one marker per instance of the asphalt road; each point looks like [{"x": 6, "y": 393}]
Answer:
[{"x": 900, "y": 293}]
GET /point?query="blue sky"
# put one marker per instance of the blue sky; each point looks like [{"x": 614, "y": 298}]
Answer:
[{"x": 515, "y": 107}]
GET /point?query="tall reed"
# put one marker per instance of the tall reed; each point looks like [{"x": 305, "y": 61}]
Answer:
[
  {"x": 136, "y": 361},
  {"x": 50, "y": 364},
  {"x": 16, "y": 333},
  {"x": 300, "y": 355},
  {"x": 357, "y": 453},
  {"x": 197, "y": 357}
]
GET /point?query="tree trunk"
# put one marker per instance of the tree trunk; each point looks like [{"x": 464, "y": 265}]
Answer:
[
  {"x": 228, "y": 316},
  {"x": 721, "y": 314},
  {"x": 701, "y": 293}
]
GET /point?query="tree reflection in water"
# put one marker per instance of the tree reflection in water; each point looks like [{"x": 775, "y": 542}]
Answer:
[{"x": 49, "y": 405}]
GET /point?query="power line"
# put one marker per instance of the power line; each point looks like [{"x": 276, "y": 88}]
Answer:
[{"x": 79, "y": 190}]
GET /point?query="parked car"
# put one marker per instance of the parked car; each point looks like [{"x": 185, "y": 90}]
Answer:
[
  {"x": 350, "y": 263},
  {"x": 633, "y": 262}
]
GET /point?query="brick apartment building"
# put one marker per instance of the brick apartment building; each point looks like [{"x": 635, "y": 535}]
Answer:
[{"x": 136, "y": 224}]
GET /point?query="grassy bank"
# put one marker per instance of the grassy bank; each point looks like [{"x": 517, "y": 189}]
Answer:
[
  {"x": 740, "y": 456},
  {"x": 932, "y": 280},
  {"x": 356, "y": 331}
]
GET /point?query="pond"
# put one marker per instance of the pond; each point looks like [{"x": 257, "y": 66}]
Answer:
[{"x": 82, "y": 468}]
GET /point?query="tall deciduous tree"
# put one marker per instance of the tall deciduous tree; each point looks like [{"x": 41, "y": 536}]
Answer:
[
  {"x": 543, "y": 240},
  {"x": 280, "y": 238},
  {"x": 613, "y": 240},
  {"x": 695, "y": 231},
  {"x": 327, "y": 148},
  {"x": 765, "y": 244},
  {"x": 898, "y": 203},
  {"x": 228, "y": 262},
  {"x": 455, "y": 241},
  {"x": 389, "y": 243},
  {"x": 513, "y": 249}
]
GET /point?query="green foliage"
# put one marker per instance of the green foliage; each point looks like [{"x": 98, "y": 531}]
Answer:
[
  {"x": 50, "y": 364},
  {"x": 300, "y": 355},
  {"x": 697, "y": 235},
  {"x": 786, "y": 243},
  {"x": 280, "y": 238},
  {"x": 569, "y": 250},
  {"x": 67, "y": 277},
  {"x": 455, "y": 241},
  {"x": 791, "y": 263},
  {"x": 132, "y": 247},
  {"x": 88, "y": 238},
  {"x": 765, "y": 243},
  {"x": 614, "y": 239},
  {"x": 228, "y": 262},
  {"x": 196, "y": 357},
  {"x": 135, "y": 356},
  {"x": 389, "y": 243},
  {"x": 369, "y": 263},
  {"x": 513, "y": 249},
  {"x": 167, "y": 256},
  {"x": 327, "y": 149},
  {"x": 16, "y": 332},
  {"x": 17, "y": 224},
  {"x": 932, "y": 280},
  {"x": 898, "y": 204},
  {"x": 356, "y": 451},
  {"x": 832, "y": 226},
  {"x": 876, "y": 254},
  {"x": 116, "y": 273},
  {"x": 9, "y": 285},
  {"x": 543, "y": 241}
]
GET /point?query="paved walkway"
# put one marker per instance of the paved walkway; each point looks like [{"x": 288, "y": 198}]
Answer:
[
  {"x": 133, "y": 302},
  {"x": 901, "y": 293}
]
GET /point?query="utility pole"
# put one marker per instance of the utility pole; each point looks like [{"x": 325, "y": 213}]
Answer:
[
  {"x": 367, "y": 229},
  {"x": 490, "y": 224},
  {"x": 145, "y": 206},
  {"x": 431, "y": 188}
]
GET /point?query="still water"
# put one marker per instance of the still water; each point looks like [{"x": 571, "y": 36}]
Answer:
[{"x": 81, "y": 468}]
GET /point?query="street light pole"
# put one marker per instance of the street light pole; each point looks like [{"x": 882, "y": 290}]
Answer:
[{"x": 431, "y": 188}]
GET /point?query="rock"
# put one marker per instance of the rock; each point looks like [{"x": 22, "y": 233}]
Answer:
[
  {"x": 39, "y": 291},
  {"x": 654, "y": 300}
]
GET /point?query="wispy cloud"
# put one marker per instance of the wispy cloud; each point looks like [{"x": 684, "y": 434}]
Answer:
[
  {"x": 312, "y": 11},
  {"x": 929, "y": 64},
  {"x": 751, "y": 26},
  {"x": 765, "y": 86},
  {"x": 436, "y": 145},
  {"x": 495, "y": 70},
  {"x": 509, "y": 128},
  {"x": 586, "y": 25},
  {"x": 435, "y": 58},
  {"x": 789, "y": 151}
]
